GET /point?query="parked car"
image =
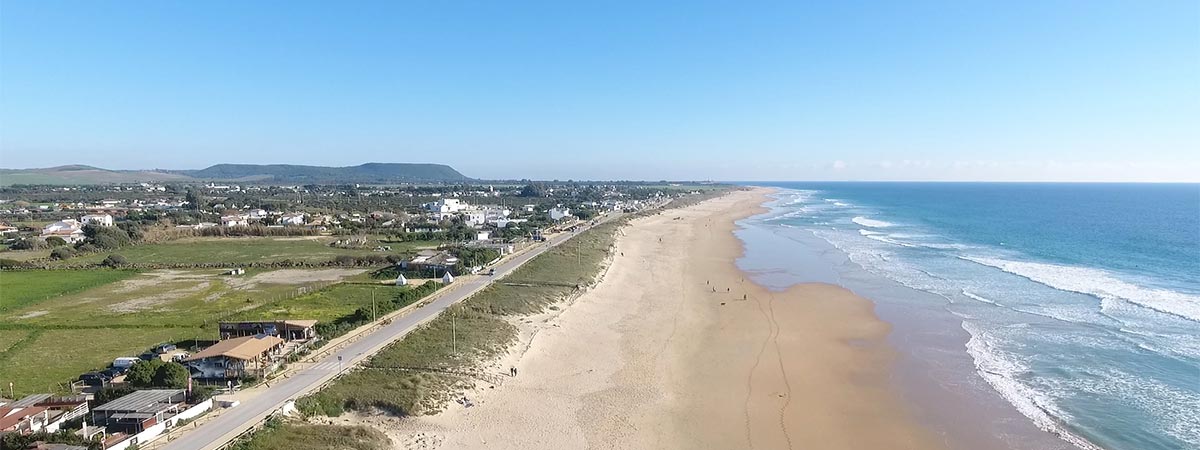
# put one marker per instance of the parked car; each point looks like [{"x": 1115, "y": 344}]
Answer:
[
  {"x": 148, "y": 356},
  {"x": 124, "y": 361},
  {"x": 112, "y": 372},
  {"x": 95, "y": 379},
  {"x": 164, "y": 348}
]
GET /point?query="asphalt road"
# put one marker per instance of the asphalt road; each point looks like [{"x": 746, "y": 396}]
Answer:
[{"x": 234, "y": 421}]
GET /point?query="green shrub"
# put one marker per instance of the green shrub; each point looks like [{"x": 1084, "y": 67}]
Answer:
[{"x": 62, "y": 253}]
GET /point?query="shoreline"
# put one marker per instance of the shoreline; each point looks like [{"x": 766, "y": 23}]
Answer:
[
  {"x": 938, "y": 377},
  {"x": 658, "y": 356}
]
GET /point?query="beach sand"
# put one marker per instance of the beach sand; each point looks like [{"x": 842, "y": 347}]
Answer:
[{"x": 665, "y": 353}]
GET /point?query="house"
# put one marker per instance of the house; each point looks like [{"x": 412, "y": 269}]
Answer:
[
  {"x": 109, "y": 203},
  {"x": 529, "y": 208},
  {"x": 482, "y": 236},
  {"x": 69, "y": 230},
  {"x": 446, "y": 206},
  {"x": 292, "y": 219},
  {"x": 235, "y": 271},
  {"x": 503, "y": 223},
  {"x": 447, "y": 278},
  {"x": 289, "y": 330},
  {"x": 475, "y": 218},
  {"x": 236, "y": 358},
  {"x": 103, "y": 220},
  {"x": 234, "y": 221},
  {"x": 401, "y": 281},
  {"x": 54, "y": 409},
  {"x": 140, "y": 410},
  {"x": 430, "y": 260},
  {"x": 23, "y": 419},
  {"x": 257, "y": 214},
  {"x": 559, "y": 213},
  {"x": 6, "y": 229}
]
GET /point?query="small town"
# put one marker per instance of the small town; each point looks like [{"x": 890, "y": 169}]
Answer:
[{"x": 184, "y": 298}]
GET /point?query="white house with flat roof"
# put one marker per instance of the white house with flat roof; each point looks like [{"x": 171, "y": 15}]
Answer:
[
  {"x": 103, "y": 220},
  {"x": 558, "y": 213},
  {"x": 446, "y": 206}
]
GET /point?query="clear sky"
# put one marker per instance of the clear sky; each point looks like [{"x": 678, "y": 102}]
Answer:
[{"x": 948, "y": 90}]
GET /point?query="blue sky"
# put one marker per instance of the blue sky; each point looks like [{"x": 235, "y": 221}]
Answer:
[{"x": 953, "y": 90}]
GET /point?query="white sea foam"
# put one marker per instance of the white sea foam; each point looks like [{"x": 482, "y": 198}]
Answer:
[
  {"x": 1100, "y": 284},
  {"x": 1000, "y": 369},
  {"x": 980, "y": 298},
  {"x": 866, "y": 222}
]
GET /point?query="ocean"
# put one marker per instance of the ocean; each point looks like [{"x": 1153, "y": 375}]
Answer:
[{"x": 1075, "y": 305}]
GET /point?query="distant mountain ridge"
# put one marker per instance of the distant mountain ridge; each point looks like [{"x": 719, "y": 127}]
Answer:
[
  {"x": 364, "y": 173},
  {"x": 273, "y": 173}
]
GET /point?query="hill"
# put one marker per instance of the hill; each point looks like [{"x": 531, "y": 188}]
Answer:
[
  {"x": 273, "y": 173},
  {"x": 79, "y": 174},
  {"x": 365, "y": 173}
]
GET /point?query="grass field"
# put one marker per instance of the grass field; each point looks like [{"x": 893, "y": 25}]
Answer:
[
  {"x": 285, "y": 436},
  {"x": 323, "y": 305},
  {"x": 64, "y": 336},
  {"x": 10, "y": 337},
  {"x": 53, "y": 357},
  {"x": 242, "y": 250},
  {"x": 180, "y": 298},
  {"x": 20, "y": 289}
]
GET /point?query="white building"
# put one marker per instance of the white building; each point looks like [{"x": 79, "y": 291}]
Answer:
[
  {"x": 292, "y": 219},
  {"x": 558, "y": 213},
  {"x": 257, "y": 213},
  {"x": 69, "y": 230},
  {"x": 446, "y": 206},
  {"x": 502, "y": 223},
  {"x": 103, "y": 220},
  {"x": 234, "y": 221},
  {"x": 482, "y": 235}
]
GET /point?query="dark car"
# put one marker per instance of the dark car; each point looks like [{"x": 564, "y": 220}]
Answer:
[
  {"x": 112, "y": 372},
  {"x": 95, "y": 378},
  {"x": 148, "y": 356}
]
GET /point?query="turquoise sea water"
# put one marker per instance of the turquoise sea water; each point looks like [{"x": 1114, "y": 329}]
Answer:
[{"x": 1081, "y": 301}]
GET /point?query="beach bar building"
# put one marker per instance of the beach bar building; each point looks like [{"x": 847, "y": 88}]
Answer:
[
  {"x": 288, "y": 330},
  {"x": 236, "y": 358}
]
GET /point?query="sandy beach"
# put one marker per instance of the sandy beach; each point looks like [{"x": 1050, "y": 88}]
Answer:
[{"x": 675, "y": 348}]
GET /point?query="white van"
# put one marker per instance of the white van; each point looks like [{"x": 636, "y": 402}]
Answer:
[{"x": 125, "y": 361}]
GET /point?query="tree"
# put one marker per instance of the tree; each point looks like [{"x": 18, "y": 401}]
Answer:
[
  {"x": 114, "y": 260},
  {"x": 171, "y": 375},
  {"x": 108, "y": 238},
  {"x": 62, "y": 253},
  {"x": 142, "y": 373},
  {"x": 28, "y": 244},
  {"x": 533, "y": 190},
  {"x": 55, "y": 241},
  {"x": 193, "y": 199}
]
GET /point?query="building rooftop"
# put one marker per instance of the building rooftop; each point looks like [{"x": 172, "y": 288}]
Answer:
[
  {"x": 149, "y": 400},
  {"x": 243, "y": 348}
]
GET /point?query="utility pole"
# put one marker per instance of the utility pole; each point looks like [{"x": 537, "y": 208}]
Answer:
[
  {"x": 374, "y": 312},
  {"x": 453, "y": 333}
]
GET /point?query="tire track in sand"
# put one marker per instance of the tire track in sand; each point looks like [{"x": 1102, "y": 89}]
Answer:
[
  {"x": 750, "y": 376},
  {"x": 787, "y": 385}
]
